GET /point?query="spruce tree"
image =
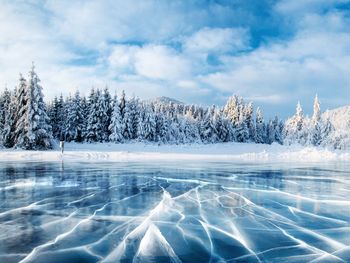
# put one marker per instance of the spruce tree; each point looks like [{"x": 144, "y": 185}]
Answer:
[
  {"x": 75, "y": 119},
  {"x": 122, "y": 104},
  {"x": 161, "y": 127},
  {"x": 316, "y": 124},
  {"x": 116, "y": 128},
  {"x": 249, "y": 111},
  {"x": 130, "y": 119},
  {"x": 260, "y": 127},
  {"x": 242, "y": 131},
  {"x": 278, "y": 127},
  {"x": 326, "y": 132},
  {"x": 8, "y": 134},
  {"x": 207, "y": 128},
  {"x": 147, "y": 124},
  {"x": 271, "y": 132},
  {"x": 294, "y": 131},
  {"x": 191, "y": 131},
  {"x": 106, "y": 113},
  {"x": 223, "y": 127},
  {"x": 33, "y": 130},
  {"x": 231, "y": 110},
  {"x": 5, "y": 100},
  {"x": 94, "y": 125},
  {"x": 85, "y": 112},
  {"x": 21, "y": 121},
  {"x": 60, "y": 110}
]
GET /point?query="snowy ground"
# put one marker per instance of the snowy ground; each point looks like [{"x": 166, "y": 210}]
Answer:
[{"x": 149, "y": 152}]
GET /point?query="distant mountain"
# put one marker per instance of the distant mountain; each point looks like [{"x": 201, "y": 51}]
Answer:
[
  {"x": 339, "y": 117},
  {"x": 165, "y": 100}
]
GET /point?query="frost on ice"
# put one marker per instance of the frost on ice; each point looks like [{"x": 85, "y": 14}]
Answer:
[{"x": 143, "y": 212}]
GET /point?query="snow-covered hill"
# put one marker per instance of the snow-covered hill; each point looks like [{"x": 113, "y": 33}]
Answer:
[
  {"x": 165, "y": 100},
  {"x": 339, "y": 117}
]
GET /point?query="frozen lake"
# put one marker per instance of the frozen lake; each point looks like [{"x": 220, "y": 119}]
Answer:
[{"x": 174, "y": 212}]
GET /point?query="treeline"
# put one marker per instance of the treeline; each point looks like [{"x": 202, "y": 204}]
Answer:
[
  {"x": 316, "y": 130},
  {"x": 103, "y": 118},
  {"x": 28, "y": 123}
]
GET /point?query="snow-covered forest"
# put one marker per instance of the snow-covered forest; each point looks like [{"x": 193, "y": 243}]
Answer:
[{"x": 28, "y": 122}]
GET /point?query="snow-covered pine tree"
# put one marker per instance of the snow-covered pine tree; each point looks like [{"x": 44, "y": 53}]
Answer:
[
  {"x": 280, "y": 138},
  {"x": 196, "y": 113},
  {"x": 67, "y": 111},
  {"x": 271, "y": 132},
  {"x": 181, "y": 138},
  {"x": 147, "y": 124},
  {"x": 106, "y": 113},
  {"x": 174, "y": 132},
  {"x": 190, "y": 128},
  {"x": 241, "y": 131},
  {"x": 101, "y": 117},
  {"x": 36, "y": 131},
  {"x": 191, "y": 111},
  {"x": 161, "y": 127},
  {"x": 249, "y": 111},
  {"x": 140, "y": 126},
  {"x": 90, "y": 135},
  {"x": 21, "y": 120},
  {"x": 278, "y": 127},
  {"x": 130, "y": 120},
  {"x": 8, "y": 134},
  {"x": 43, "y": 130},
  {"x": 260, "y": 127},
  {"x": 327, "y": 133},
  {"x": 94, "y": 125},
  {"x": 208, "y": 131},
  {"x": 122, "y": 103},
  {"x": 126, "y": 119},
  {"x": 116, "y": 128},
  {"x": 316, "y": 117},
  {"x": 75, "y": 119},
  {"x": 172, "y": 110},
  {"x": 223, "y": 127},
  {"x": 228, "y": 126},
  {"x": 294, "y": 128},
  {"x": 51, "y": 113},
  {"x": 5, "y": 100},
  {"x": 316, "y": 124},
  {"x": 231, "y": 110},
  {"x": 85, "y": 113},
  {"x": 58, "y": 126}
]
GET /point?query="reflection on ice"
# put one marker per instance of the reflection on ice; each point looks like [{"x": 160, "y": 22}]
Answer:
[{"x": 204, "y": 213}]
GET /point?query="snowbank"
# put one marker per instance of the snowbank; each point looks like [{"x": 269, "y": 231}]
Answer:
[{"x": 133, "y": 152}]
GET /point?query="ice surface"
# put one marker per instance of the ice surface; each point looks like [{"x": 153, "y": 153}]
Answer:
[{"x": 174, "y": 212}]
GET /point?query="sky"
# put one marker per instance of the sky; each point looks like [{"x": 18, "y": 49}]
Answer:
[{"x": 274, "y": 53}]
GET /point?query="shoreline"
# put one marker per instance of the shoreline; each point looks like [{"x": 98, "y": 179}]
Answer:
[{"x": 138, "y": 152}]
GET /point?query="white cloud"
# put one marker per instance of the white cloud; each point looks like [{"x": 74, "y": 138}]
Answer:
[
  {"x": 24, "y": 39},
  {"x": 217, "y": 40},
  {"x": 188, "y": 84},
  {"x": 295, "y": 69},
  {"x": 158, "y": 62},
  {"x": 93, "y": 23},
  {"x": 122, "y": 58},
  {"x": 161, "y": 62}
]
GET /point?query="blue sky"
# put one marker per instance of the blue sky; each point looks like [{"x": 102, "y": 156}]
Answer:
[{"x": 272, "y": 52}]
